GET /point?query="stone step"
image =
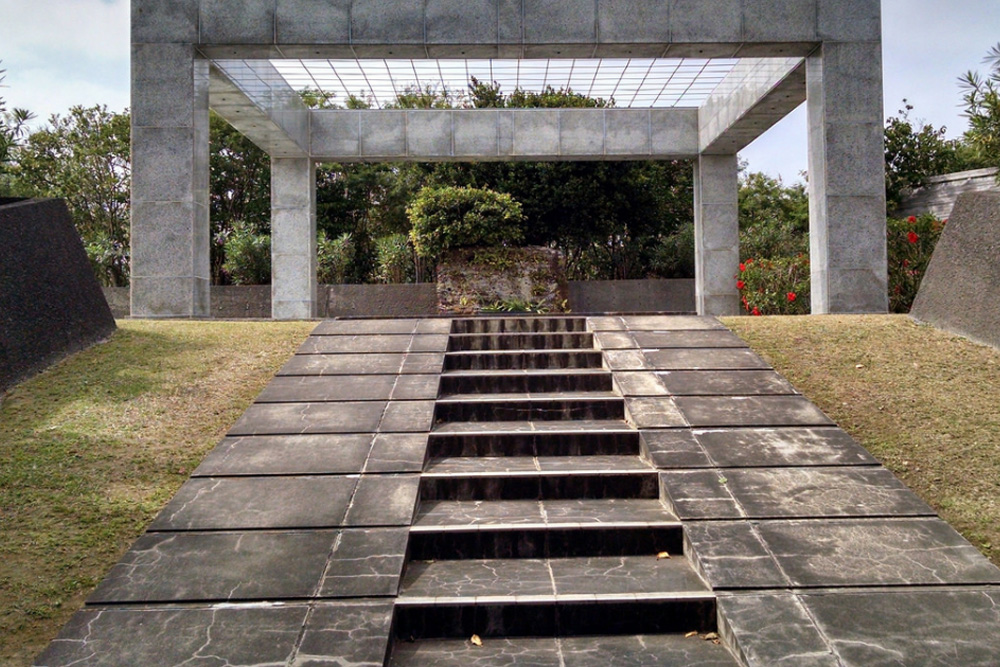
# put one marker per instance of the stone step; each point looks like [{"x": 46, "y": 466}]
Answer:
[
  {"x": 524, "y": 380},
  {"x": 541, "y": 485},
  {"x": 472, "y": 466},
  {"x": 578, "y": 542},
  {"x": 518, "y": 324},
  {"x": 560, "y": 439},
  {"x": 595, "y": 650},
  {"x": 549, "y": 340},
  {"x": 462, "y": 515},
  {"x": 522, "y": 359},
  {"x": 546, "y": 406}
]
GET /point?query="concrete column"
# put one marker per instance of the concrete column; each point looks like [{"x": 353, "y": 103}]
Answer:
[
  {"x": 716, "y": 235},
  {"x": 847, "y": 179},
  {"x": 293, "y": 238},
  {"x": 170, "y": 181}
]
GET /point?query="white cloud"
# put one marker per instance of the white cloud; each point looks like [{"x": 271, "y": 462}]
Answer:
[{"x": 94, "y": 28}]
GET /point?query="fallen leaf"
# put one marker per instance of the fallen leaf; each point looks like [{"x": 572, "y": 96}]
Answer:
[
  {"x": 662, "y": 555},
  {"x": 693, "y": 633},
  {"x": 860, "y": 366},
  {"x": 710, "y": 635},
  {"x": 722, "y": 480},
  {"x": 476, "y": 641}
]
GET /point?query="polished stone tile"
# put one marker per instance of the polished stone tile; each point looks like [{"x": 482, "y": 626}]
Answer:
[
  {"x": 343, "y": 364},
  {"x": 769, "y": 447},
  {"x": 480, "y": 465},
  {"x": 597, "y": 463},
  {"x": 605, "y": 323},
  {"x": 478, "y": 513},
  {"x": 670, "y": 323},
  {"x": 875, "y": 552},
  {"x": 626, "y": 360},
  {"x": 615, "y": 340},
  {"x": 318, "y": 389},
  {"x": 287, "y": 455},
  {"x": 231, "y": 566},
  {"x": 350, "y": 632},
  {"x": 384, "y": 500},
  {"x": 606, "y": 510},
  {"x": 433, "y": 325},
  {"x": 302, "y": 418},
  {"x": 658, "y": 412},
  {"x": 923, "y": 627},
  {"x": 397, "y": 452},
  {"x": 366, "y": 562},
  {"x": 718, "y": 411},
  {"x": 407, "y": 417},
  {"x": 704, "y": 359},
  {"x": 822, "y": 492},
  {"x": 355, "y": 327},
  {"x": 700, "y": 494},
  {"x": 639, "y": 383},
  {"x": 233, "y": 503},
  {"x": 774, "y": 629},
  {"x": 429, "y": 343},
  {"x": 643, "y": 651},
  {"x": 725, "y": 383},
  {"x": 358, "y": 344},
  {"x": 476, "y": 577},
  {"x": 730, "y": 555},
  {"x": 520, "y": 651},
  {"x": 674, "y": 448},
  {"x": 693, "y": 339},
  {"x": 624, "y": 574},
  {"x": 415, "y": 387},
  {"x": 421, "y": 363}
]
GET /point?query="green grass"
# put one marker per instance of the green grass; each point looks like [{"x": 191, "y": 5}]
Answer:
[
  {"x": 921, "y": 400},
  {"x": 91, "y": 449}
]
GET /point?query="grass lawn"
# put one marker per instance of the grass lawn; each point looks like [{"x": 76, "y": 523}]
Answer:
[
  {"x": 91, "y": 449},
  {"x": 924, "y": 402}
]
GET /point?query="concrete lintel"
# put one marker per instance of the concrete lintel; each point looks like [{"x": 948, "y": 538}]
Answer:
[
  {"x": 754, "y": 96},
  {"x": 261, "y": 106},
  {"x": 503, "y": 134}
]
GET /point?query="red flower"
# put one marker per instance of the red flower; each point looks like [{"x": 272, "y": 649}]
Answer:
[
  {"x": 912, "y": 219},
  {"x": 906, "y": 262},
  {"x": 791, "y": 296},
  {"x": 944, "y": 222},
  {"x": 740, "y": 284},
  {"x": 756, "y": 311},
  {"x": 912, "y": 237},
  {"x": 748, "y": 261},
  {"x": 743, "y": 267}
]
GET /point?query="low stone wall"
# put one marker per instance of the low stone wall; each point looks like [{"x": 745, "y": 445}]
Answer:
[
  {"x": 592, "y": 296},
  {"x": 50, "y": 302},
  {"x": 939, "y": 195}
]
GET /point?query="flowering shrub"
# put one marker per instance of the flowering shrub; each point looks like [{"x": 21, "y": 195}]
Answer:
[
  {"x": 775, "y": 286},
  {"x": 910, "y": 243}
]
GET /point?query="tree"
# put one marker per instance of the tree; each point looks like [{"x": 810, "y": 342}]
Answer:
[
  {"x": 774, "y": 217},
  {"x": 13, "y": 127},
  {"x": 982, "y": 107}
]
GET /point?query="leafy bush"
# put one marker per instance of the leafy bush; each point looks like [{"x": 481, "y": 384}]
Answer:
[
  {"x": 394, "y": 259},
  {"x": 910, "y": 244},
  {"x": 774, "y": 218},
  {"x": 248, "y": 256},
  {"x": 333, "y": 258},
  {"x": 777, "y": 286},
  {"x": 445, "y": 218},
  {"x": 674, "y": 256},
  {"x": 110, "y": 261}
]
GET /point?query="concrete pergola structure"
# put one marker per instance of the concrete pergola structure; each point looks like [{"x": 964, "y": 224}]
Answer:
[{"x": 192, "y": 55}]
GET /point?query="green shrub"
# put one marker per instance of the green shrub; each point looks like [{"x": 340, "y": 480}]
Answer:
[
  {"x": 674, "y": 256},
  {"x": 248, "y": 256},
  {"x": 445, "y": 218},
  {"x": 910, "y": 244},
  {"x": 110, "y": 261},
  {"x": 333, "y": 258},
  {"x": 775, "y": 286},
  {"x": 393, "y": 259}
]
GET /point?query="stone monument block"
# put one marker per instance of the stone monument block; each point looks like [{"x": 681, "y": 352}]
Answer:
[
  {"x": 50, "y": 302},
  {"x": 958, "y": 292}
]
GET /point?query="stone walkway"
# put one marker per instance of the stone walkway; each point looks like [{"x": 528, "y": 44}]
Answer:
[{"x": 572, "y": 491}]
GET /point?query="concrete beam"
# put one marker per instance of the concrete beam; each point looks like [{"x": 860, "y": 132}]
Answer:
[
  {"x": 504, "y": 134},
  {"x": 528, "y": 29},
  {"x": 754, "y": 96},
  {"x": 254, "y": 98}
]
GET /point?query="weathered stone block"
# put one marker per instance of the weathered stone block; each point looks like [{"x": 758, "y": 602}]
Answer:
[{"x": 471, "y": 279}]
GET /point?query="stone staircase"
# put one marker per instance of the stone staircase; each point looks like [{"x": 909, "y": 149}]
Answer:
[{"x": 539, "y": 528}]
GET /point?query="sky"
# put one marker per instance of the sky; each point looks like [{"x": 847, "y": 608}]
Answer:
[{"x": 59, "y": 53}]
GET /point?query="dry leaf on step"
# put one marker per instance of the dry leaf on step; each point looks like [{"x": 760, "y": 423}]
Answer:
[
  {"x": 662, "y": 555},
  {"x": 476, "y": 641}
]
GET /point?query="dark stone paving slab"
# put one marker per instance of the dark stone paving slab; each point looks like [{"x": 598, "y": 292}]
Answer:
[
  {"x": 725, "y": 383},
  {"x": 397, "y": 452},
  {"x": 790, "y": 493},
  {"x": 384, "y": 500},
  {"x": 301, "y": 418},
  {"x": 774, "y": 629},
  {"x": 230, "y": 503},
  {"x": 693, "y": 339},
  {"x": 670, "y": 323},
  {"x": 413, "y": 363},
  {"x": 359, "y": 344},
  {"x": 624, "y": 575},
  {"x": 639, "y": 383},
  {"x": 718, "y": 411},
  {"x": 407, "y": 417},
  {"x": 731, "y": 554},
  {"x": 775, "y": 447},
  {"x": 287, "y": 455},
  {"x": 232, "y": 566},
  {"x": 365, "y": 563},
  {"x": 319, "y": 389},
  {"x": 676, "y": 448},
  {"x": 415, "y": 387},
  {"x": 626, "y": 360},
  {"x": 354, "y": 632},
  {"x": 477, "y": 577},
  {"x": 921, "y": 627},
  {"x": 714, "y": 359},
  {"x": 875, "y": 552},
  {"x": 654, "y": 413},
  {"x": 521, "y": 651},
  {"x": 369, "y": 327}
]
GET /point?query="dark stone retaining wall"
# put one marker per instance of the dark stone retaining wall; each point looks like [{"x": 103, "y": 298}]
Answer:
[
  {"x": 50, "y": 302},
  {"x": 418, "y": 300}
]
